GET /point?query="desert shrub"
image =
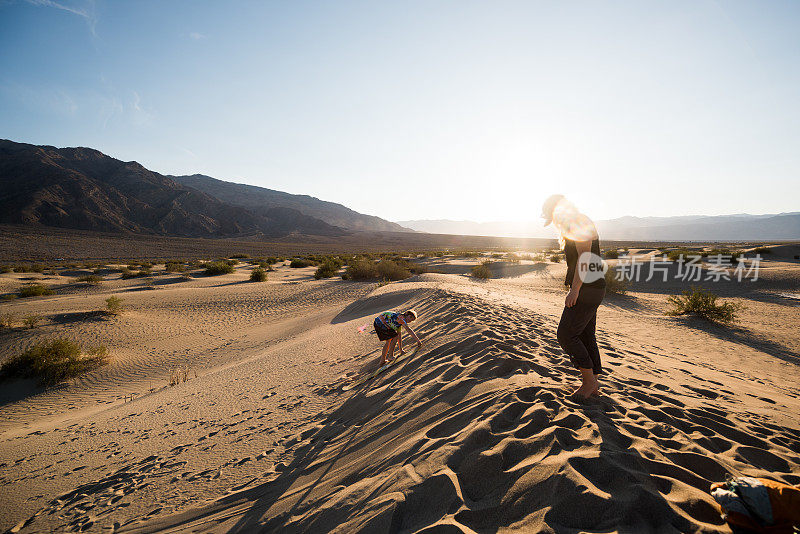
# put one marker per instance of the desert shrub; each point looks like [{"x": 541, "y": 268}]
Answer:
[
  {"x": 482, "y": 270},
  {"x": 28, "y": 268},
  {"x": 614, "y": 285},
  {"x": 361, "y": 269},
  {"x": 496, "y": 256},
  {"x": 271, "y": 260},
  {"x": 178, "y": 375},
  {"x": 327, "y": 269},
  {"x": 299, "y": 263},
  {"x": 53, "y": 361},
  {"x": 611, "y": 254},
  {"x": 185, "y": 275},
  {"x": 34, "y": 290},
  {"x": 145, "y": 266},
  {"x": 133, "y": 266},
  {"x": 391, "y": 270},
  {"x": 6, "y": 269},
  {"x": 7, "y": 320},
  {"x": 762, "y": 250},
  {"x": 30, "y": 321},
  {"x": 703, "y": 304},
  {"x": 240, "y": 256},
  {"x": 555, "y": 258},
  {"x": 91, "y": 279},
  {"x": 174, "y": 267},
  {"x": 127, "y": 273},
  {"x": 216, "y": 268},
  {"x": 145, "y": 272},
  {"x": 114, "y": 305},
  {"x": 258, "y": 275}
]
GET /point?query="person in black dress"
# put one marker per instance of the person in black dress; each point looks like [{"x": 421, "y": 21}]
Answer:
[{"x": 586, "y": 282}]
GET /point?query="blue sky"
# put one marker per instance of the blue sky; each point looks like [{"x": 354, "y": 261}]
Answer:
[{"x": 433, "y": 109}]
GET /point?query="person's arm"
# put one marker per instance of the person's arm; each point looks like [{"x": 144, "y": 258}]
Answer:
[
  {"x": 411, "y": 331},
  {"x": 575, "y": 287}
]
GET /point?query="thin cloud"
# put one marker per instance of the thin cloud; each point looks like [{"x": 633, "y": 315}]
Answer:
[
  {"x": 88, "y": 13},
  {"x": 197, "y": 36}
]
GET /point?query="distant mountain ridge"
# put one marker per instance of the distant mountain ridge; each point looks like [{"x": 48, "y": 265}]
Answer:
[
  {"x": 82, "y": 188},
  {"x": 258, "y": 199},
  {"x": 739, "y": 227}
]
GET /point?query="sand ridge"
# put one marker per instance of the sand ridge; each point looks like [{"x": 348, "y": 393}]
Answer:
[{"x": 473, "y": 434}]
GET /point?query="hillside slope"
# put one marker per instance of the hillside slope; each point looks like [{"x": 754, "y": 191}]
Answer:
[
  {"x": 83, "y": 188},
  {"x": 258, "y": 199}
]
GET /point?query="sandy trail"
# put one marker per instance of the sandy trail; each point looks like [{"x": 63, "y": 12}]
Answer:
[{"x": 472, "y": 435}]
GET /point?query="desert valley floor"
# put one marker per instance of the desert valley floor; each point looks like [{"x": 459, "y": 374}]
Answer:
[{"x": 472, "y": 434}]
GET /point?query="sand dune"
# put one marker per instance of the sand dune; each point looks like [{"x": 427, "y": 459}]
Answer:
[{"x": 474, "y": 434}]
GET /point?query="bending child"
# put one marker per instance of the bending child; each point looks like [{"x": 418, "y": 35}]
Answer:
[{"x": 388, "y": 326}]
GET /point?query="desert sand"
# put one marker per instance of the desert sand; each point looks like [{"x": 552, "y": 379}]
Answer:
[{"x": 472, "y": 434}]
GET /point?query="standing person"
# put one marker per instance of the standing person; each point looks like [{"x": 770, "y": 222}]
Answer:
[
  {"x": 576, "y": 331},
  {"x": 388, "y": 326}
]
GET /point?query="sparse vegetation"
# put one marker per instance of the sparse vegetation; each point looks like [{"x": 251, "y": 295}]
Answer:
[
  {"x": 34, "y": 290},
  {"x": 258, "y": 275},
  {"x": 114, "y": 305},
  {"x": 762, "y": 250},
  {"x": 482, "y": 270},
  {"x": 299, "y": 263},
  {"x": 555, "y": 258},
  {"x": 615, "y": 285},
  {"x": 391, "y": 270},
  {"x": 366, "y": 269},
  {"x": 91, "y": 279},
  {"x": 30, "y": 321},
  {"x": 53, "y": 361},
  {"x": 28, "y": 268},
  {"x": 178, "y": 375},
  {"x": 174, "y": 267},
  {"x": 328, "y": 269},
  {"x": 611, "y": 254},
  {"x": 240, "y": 256},
  {"x": 6, "y": 269},
  {"x": 7, "y": 320},
  {"x": 216, "y": 268},
  {"x": 700, "y": 303}
]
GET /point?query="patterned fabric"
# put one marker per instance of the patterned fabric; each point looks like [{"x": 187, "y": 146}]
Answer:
[{"x": 391, "y": 319}]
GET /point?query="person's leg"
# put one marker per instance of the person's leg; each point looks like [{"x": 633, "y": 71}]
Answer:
[
  {"x": 385, "y": 351},
  {"x": 573, "y": 322},
  {"x": 590, "y": 342},
  {"x": 392, "y": 343}
]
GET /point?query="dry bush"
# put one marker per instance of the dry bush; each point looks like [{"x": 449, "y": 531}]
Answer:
[
  {"x": 174, "y": 267},
  {"x": 179, "y": 375},
  {"x": 700, "y": 303},
  {"x": 8, "y": 320},
  {"x": 327, "y": 269},
  {"x": 299, "y": 263},
  {"x": 114, "y": 305},
  {"x": 258, "y": 275},
  {"x": 216, "y": 268},
  {"x": 34, "y": 290},
  {"x": 91, "y": 279},
  {"x": 53, "y": 361},
  {"x": 482, "y": 270},
  {"x": 30, "y": 321},
  {"x": 615, "y": 285}
]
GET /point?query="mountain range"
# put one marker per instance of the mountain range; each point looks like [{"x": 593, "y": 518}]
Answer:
[
  {"x": 82, "y": 188},
  {"x": 739, "y": 227}
]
